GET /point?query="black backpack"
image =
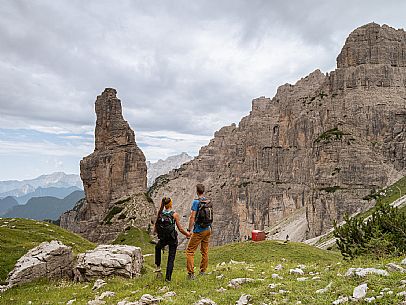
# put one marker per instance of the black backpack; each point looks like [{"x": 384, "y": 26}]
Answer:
[
  {"x": 204, "y": 215},
  {"x": 165, "y": 226}
]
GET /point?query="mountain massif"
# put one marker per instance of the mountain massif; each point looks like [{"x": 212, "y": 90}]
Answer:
[
  {"x": 318, "y": 149},
  {"x": 162, "y": 167},
  {"x": 19, "y": 188},
  {"x": 114, "y": 178}
]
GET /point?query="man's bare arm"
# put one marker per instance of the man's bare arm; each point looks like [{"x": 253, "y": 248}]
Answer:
[{"x": 192, "y": 220}]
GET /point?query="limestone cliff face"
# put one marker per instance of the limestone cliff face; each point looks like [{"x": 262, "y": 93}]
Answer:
[
  {"x": 114, "y": 177},
  {"x": 315, "y": 150}
]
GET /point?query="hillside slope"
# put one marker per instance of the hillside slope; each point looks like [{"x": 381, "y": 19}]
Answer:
[
  {"x": 17, "y": 236},
  {"x": 238, "y": 260}
]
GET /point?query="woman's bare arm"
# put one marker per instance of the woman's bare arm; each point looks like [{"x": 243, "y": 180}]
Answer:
[{"x": 180, "y": 228}]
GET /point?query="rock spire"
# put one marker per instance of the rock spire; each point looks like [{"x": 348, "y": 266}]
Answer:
[{"x": 115, "y": 172}]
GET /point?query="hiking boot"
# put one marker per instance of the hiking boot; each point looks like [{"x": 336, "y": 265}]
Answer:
[
  {"x": 158, "y": 270},
  {"x": 190, "y": 276}
]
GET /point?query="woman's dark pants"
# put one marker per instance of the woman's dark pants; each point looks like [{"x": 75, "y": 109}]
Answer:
[{"x": 173, "y": 244}]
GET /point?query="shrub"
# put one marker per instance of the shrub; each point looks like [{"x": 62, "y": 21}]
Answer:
[
  {"x": 384, "y": 232},
  {"x": 331, "y": 135},
  {"x": 113, "y": 211}
]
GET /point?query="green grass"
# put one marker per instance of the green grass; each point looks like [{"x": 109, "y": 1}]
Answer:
[
  {"x": 136, "y": 237},
  {"x": 17, "y": 236},
  {"x": 260, "y": 259}
]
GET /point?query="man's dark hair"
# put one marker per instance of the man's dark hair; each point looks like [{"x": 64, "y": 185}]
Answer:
[{"x": 200, "y": 189}]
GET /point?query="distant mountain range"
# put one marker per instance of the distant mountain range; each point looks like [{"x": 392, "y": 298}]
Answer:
[
  {"x": 162, "y": 167},
  {"x": 58, "y": 192},
  {"x": 40, "y": 208},
  {"x": 20, "y": 188},
  {"x": 6, "y": 204}
]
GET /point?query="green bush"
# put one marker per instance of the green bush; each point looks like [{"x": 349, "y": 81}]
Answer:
[
  {"x": 384, "y": 232},
  {"x": 331, "y": 135},
  {"x": 112, "y": 212}
]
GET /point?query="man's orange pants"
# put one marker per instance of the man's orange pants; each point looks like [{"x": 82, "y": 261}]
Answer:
[{"x": 197, "y": 239}]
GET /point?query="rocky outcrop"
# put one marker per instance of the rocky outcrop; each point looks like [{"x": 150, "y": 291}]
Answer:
[
  {"x": 114, "y": 178},
  {"x": 316, "y": 150},
  {"x": 107, "y": 260},
  {"x": 52, "y": 260},
  {"x": 162, "y": 167}
]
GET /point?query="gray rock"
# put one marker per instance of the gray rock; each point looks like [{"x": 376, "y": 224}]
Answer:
[
  {"x": 106, "y": 294},
  {"x": 99, "y": 300},
  {"x": 278, "y": 267},
  {"x": 360, "y": 291},
  {"x": 51, "y": 260},
  {"x": 205, "y": 301},
  {"x": 244, "y": 299},
  {"x": 392, "y": 267},
  {"x": 236, "y": 283},
  {"x": 107, "y": 260},
  {"x": 4, "y": 288},
  {"x": 341, "y": 300},
  {"x": 96, "y": 302},
  {"x": 296, "y": 271},
  {"x": 126, "y": 302},
  {"x": 273, "y": 286},
  {"x": 169, "y": 294},
  {"x": 98, "y": 284},
  {"x": 365, "y": 271},
  {"x": 148, "y": 299},
  {"x": 403, "y": 262}
]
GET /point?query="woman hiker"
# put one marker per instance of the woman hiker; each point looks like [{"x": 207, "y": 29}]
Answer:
[{"x": 167, "y": 235}]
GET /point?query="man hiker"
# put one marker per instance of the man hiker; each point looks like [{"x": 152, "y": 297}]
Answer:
[{"x": 200, "y": 220}]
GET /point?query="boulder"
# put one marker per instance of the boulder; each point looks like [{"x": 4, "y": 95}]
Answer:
[
  {"x": 52, "y": 260},
  {"x": 341, "y": 300},
  {"x": 360, "y": 291},
  {"x": 392, "y": 267},
  {"x": 236, "y": 283},
  {"x": 244, "y": 299},
  {"x": 365, "y": 271},
  {"x": 205, "y": 301},
  {"x": 296, "y": 271},
  {"x": 107, "y": 260}
]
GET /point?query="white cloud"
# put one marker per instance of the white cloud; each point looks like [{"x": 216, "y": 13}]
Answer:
[{"x": 182, "y": 69}]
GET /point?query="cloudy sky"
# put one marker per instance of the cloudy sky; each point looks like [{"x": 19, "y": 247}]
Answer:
[{"x": 182, "y": 69}]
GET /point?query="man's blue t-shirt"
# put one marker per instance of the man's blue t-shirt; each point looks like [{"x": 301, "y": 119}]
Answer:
[{"x": 197, "y": 228}]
